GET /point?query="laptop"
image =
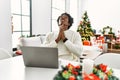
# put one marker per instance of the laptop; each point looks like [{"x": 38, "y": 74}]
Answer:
[{"x": 45, "y": 57}]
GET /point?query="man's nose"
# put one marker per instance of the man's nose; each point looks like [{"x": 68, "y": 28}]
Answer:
[{"x": 63, "y": 18}]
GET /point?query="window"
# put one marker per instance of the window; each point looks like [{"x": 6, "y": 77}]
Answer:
[
  {"x": 61, "y": 6},
  {"x": 20, "y": 10},
  {"x": 58, "y": 7},
  {"x": 74, "y": 13}
]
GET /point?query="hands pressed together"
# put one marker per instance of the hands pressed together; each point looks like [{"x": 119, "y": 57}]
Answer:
[{"x": 61, "y": 35}]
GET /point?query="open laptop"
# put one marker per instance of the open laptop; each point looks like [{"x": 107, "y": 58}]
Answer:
[{"x": 46, "y": 57}]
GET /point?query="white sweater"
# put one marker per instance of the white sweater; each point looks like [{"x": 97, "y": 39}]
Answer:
[{"x": 69, "y": 50}]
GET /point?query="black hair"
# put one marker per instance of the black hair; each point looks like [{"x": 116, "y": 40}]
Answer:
[{"x": 70, "y": 19}]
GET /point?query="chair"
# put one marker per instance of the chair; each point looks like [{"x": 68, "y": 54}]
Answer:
[
  {"x": 4, "y": 54},
  {"x": 110, "y": 59}
]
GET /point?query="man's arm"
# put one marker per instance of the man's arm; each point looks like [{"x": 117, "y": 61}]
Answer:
[
  {"x": 76, "y": 47},
  {"x": 48, "y": 42}
]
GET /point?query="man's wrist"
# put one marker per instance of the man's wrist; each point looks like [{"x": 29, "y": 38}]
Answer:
[
  {"x": 56, "y": 40},
  {"x": 65, "y": 40}
]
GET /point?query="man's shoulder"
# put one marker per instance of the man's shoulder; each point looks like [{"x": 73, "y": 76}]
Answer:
[{"x": 71, "y": 31}]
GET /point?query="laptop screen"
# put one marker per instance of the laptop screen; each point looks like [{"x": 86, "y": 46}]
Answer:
[{"x": 46, "y": 57}]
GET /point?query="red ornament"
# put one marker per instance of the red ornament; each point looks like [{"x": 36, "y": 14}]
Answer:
[
  {"x": 19, "y": 52},
  {"x": 103, "y": 67},
  {"x": 72, "y": 78},
  {"x": 94, "y": 77}
]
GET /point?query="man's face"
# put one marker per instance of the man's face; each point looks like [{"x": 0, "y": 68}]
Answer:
[{"x": 64, "y": 21}]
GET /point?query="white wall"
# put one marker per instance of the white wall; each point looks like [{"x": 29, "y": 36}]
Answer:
[
  {"x": 103, "y": 13},
  {"x": 41, "y": 16},
  {"x": 5, "y": 25}
]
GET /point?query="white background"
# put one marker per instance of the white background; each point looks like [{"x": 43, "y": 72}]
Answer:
[{"x": 5, "y": 25}]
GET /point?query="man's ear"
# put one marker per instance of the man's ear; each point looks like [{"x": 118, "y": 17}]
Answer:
[{"x": 68, "y": 24}]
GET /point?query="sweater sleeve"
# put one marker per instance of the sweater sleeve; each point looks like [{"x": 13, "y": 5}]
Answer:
[
  {"x": 48, "y": 42},
  {"x": 76, "y": 47}
]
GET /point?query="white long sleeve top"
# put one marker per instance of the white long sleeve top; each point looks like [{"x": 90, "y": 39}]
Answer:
[{"x": 69, "y": 50}]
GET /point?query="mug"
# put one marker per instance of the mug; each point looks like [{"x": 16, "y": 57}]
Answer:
[{"x": 105, "y": 47}]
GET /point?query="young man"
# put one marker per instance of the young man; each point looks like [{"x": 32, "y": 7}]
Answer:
[{"x": 68, "y": 42}]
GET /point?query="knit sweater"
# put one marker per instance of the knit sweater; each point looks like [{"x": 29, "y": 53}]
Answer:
[{"x": 71, "y": 49}]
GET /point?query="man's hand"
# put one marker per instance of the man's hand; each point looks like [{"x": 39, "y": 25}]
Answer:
[
  {"x": 61, "y": 35},
  {"x": 58, "y": 38}
]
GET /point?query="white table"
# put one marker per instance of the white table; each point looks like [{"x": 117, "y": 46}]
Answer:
[
  {"x": 90, "y": 54},
  {"x": 14, "y": 69}
]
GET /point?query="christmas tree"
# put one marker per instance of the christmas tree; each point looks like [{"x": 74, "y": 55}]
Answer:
[{"x": 84, "y": 28}]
